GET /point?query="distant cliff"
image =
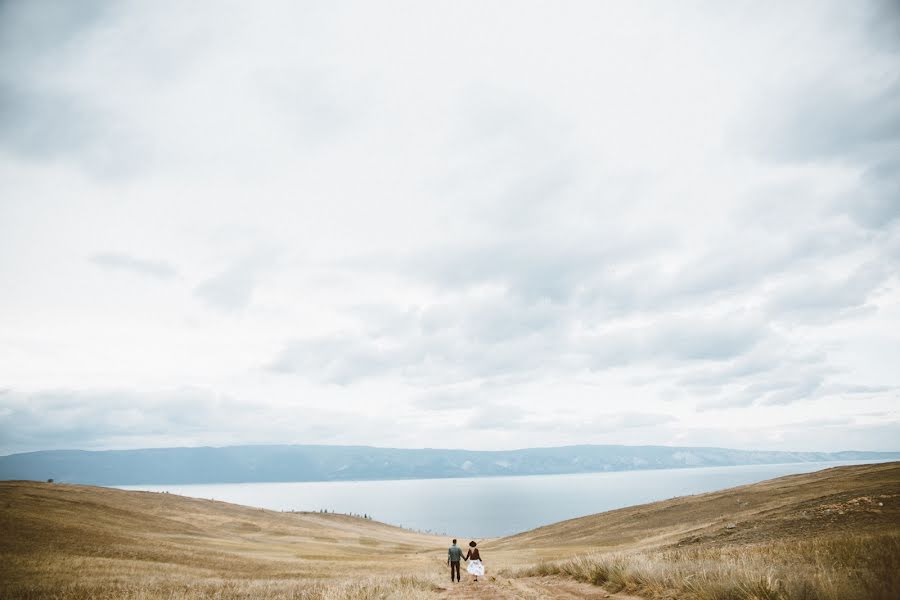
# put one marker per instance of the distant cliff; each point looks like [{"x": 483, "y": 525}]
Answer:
[{"x": 240, "y": 464}]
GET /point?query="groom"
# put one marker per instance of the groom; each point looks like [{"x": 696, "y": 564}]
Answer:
[{"x": 454, "y": 555}]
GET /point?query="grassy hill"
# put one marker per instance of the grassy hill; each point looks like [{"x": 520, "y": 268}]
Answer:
[
  {"x": 72, "y": 541},
  {"x": 833, "y": 534},
  {"x": 830, "y": 534},
  {"x": 856, "y": 500}
]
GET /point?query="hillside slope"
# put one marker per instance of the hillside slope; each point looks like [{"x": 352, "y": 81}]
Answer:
[
  {"x": 830, "y": 535},
  {"x": 857, "y": 499},
  {"x": 72, "y": 542}
]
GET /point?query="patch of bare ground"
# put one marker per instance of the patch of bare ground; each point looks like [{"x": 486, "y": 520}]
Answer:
[{"x": 532, "y": 588}]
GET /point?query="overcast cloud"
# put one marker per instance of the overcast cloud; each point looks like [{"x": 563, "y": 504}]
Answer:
[{"x": 452, "y": 224}]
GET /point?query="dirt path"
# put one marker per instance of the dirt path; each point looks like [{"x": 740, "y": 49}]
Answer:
[{"x": 529, "y": 588}]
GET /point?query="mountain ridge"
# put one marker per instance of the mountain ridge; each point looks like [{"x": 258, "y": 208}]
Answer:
[{"x": 283, "y": 463}]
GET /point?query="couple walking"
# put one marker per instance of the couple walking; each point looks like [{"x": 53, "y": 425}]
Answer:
[{"x": 454, "y": 555}]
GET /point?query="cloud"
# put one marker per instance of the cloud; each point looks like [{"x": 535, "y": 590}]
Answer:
[
  {"x": 826, "y": 113},
  {"x": 28, "y": 29},
  {"x": 341, "y": 360},
  {"x": 632, "y": 419},
  {"x": 876, "y": 437},
  {"x": 487, "y": 335},
  {"x": 502, "y": 337},
  {"x": 506, "y": 416},
  {"x": 828, "y": 122},
  {"x": 760, "y": 361},
  {"x": 782, "y": 394},
  {"x": 613, "y": 275},
  {"x": 79, "y": 419},
  {"x": 232, "y": 288},
  {"x": 533, "y": 269},
  {"x": 43, "y": 125},
  {"x": 124, "y": 262},
  {"x": 829, "y": 116},
  {"x": 883, "y": 25},
  {"x": 676, "y": 338},
  {"x": 43, "y": 118},
  {"x": 785, "y": 387},
  {"x": 485, "y": 226},
  {"x": 47, "y": 125},
  {"x": 818, "y": 295},
  {"x": 815, "y": 434},
  {"x": 496, "y": 417},
  {"x": 873, "y": 204},
  {"x": 99, "y": 418},
  {"x": 312, "y": 107},
  {"x": 601, "y": 423},
  {"x": 448, "y": 400},
  {"x": 492, "y": 320}
]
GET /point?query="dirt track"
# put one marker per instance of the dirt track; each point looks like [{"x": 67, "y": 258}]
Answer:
[{"x": 530, "y": 588}]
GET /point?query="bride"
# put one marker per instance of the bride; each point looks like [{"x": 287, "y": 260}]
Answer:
[{"x": 475, "y": 567}]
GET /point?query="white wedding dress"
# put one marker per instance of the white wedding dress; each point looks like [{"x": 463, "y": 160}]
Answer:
[{"x": 475, "y": 568}]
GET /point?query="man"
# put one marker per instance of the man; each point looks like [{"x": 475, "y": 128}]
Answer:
[{"x": 454, "y": 555}]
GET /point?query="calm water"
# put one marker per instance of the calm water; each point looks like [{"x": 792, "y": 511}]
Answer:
[{"x": 488, "y": 506}]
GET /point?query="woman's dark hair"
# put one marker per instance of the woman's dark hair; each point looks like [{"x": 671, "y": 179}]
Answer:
[{"x": 472, "y": 544}]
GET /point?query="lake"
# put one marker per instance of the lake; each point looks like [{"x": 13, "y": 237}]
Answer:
[{"x": 488, "y": 506}]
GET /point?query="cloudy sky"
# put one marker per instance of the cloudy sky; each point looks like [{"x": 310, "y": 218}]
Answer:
[{"x": 450, "y": 224}]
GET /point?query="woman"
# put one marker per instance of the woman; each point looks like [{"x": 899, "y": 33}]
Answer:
[{"x": 474, "y": 559}]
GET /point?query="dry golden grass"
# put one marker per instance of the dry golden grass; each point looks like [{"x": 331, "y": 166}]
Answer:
[
  {"x": 811, "y": 504},
  {"x": 72, "y": 542},
  {"x": 841, "y": 568},
  {"x": 833, "y": 534}
]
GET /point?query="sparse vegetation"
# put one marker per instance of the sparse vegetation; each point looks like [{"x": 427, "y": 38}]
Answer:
[
  {"x": 363, "y": 588},
  {"x": 826, "y": 536},
  {"x": 72, "y": 542},
  {"x": 840, "y": 568}
]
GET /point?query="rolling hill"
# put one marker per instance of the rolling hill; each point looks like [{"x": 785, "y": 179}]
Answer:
[{"x": 829, "y": 534}]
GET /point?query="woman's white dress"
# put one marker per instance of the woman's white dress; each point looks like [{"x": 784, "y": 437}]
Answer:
[{"x": 475, "y": 568}]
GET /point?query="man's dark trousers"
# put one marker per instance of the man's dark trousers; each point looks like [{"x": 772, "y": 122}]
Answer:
[{"x": 454, "y": 568}]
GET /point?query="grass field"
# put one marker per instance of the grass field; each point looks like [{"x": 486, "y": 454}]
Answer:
[{"x": 834, "y": 534}]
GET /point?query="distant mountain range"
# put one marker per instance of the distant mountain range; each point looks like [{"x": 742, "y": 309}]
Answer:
[{"x": 244, "y": 464}]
